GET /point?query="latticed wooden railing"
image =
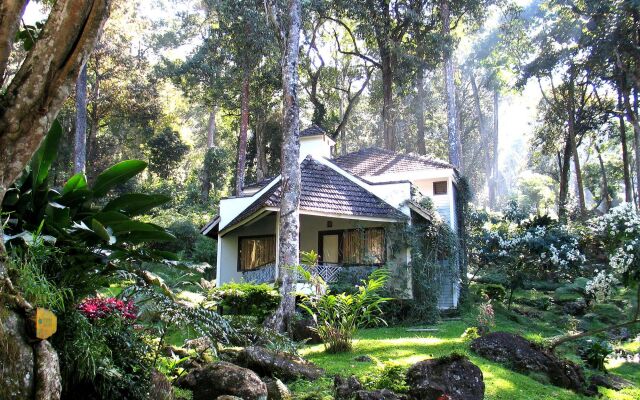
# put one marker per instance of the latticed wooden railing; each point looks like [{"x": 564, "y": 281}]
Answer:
[{"x": 328, "y": 272}]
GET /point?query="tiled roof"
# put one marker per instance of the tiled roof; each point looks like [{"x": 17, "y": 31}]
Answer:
[
  {"x": 313, "y": 130},
  {"x": 325, "y": 190},
  {"x": 374, "y": 161}
]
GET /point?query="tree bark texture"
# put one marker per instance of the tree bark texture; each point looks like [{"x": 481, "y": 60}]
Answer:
[
  {"x": 632, "y": 117},
  {"x": 422, "y": 147},
  {"x": 564, "y": 180},
  {"x": 628, "y": 186},
  {"x": 571, "y": 128},
  {"x": 80, "y": 138},
  {"x": 289, "y": 230},
  {"x": 495, "y": 140},
  {"x": 10, "y": 13},
  {"x": 45, "y": 79},
  {"x": 242, "y": 139},
  {"x": 455, "y": 145}
]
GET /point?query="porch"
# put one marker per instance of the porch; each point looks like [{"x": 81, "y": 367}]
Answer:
[{"x": 344, "y": 245}]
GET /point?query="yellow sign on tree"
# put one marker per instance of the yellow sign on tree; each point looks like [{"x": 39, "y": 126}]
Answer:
[{"x": 46, "y": 323}]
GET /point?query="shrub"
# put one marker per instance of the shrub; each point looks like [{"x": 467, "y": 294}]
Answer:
[
  {"x": 249, "y": 331},
  {"x": 205, "y": 250},
  {"x": 594, "y": 352},
  {"x": 486, "y": 317},
  {"x": 258, "y": 300},
  {"x": 493, "y": 291},
  {"x": 469, "y": 334},
  {"x": 339, "y": 316},
  {"x": 389, "y": 375}
]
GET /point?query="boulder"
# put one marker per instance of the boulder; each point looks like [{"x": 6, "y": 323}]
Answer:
[
  {"x": 48, "y": 379},
  {"x": 610, "y": 381},
  {"x": 303, "y": 329},
  {"x": 200, "y": 345},
  {"x": 523, "y": 356},
  {"x": 575, "y": 308},
  {"x": 277, "y": 364},
  {"x": 363, "y": 358},
  {"x": 276, "y": 390},
  {"x": 223, "y": 378},
  {"x": 384, "y": 394},
  {"x": 226, "y": 397},
  {"x": 454, "y": 376},
  {"x": 160, "y": 388},
  {"x": 345, "y": 388},
  {"x": 17, "y": 360}
]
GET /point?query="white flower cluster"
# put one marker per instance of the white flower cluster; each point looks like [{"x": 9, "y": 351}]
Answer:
[{"x": 620, "y": 232}]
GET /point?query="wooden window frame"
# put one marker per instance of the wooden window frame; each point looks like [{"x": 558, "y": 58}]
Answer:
[
  {"x": 340, "y": 233},
  {"x": 446, "y": 188},
  {"x": 240, "y": 238}
]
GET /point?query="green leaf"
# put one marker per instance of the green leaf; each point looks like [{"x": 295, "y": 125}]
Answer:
[
  {"x": 147, "y": 236},
  {"x": 104, "y": 233},
  {"x": 136, "y": 203},
  {"x": 117, "y": 174},
  {"x": 41, "y": 162},
  {"x": 76, "y": 182}
]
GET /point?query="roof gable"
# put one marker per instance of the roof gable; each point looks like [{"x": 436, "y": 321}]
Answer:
[
  {"x": 374, "y": 161},
  {"x": 325, "y": 190}
]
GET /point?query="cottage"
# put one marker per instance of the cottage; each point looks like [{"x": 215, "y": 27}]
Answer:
[{"x": 350, "y": 207}]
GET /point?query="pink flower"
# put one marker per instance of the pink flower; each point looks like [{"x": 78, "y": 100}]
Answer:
[{"x": 96, "y": 307}]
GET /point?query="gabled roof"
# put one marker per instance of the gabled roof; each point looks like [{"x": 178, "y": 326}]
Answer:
[
  {"x": 313, "y": 130},
  {"x": 327, "y": 191},
  {"x": 374, "y": 161}
]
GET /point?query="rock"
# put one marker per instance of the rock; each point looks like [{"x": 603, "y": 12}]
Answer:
[
  {"x": 303, "y": 329},
  {"x": 384, "y": 394},
  {"x": 200, "y": 345},
  {"x": 363, "y": 358},
  {"x": 48, "y": 379},
  {"x": 523, "y": 356},
  {"x": 160, "y": 388},
  {"x": 345, "y": 388},
  {"x": 575, "y": 308},
  {"x": 226, "y": 397},
  {"x": 17, "y": 358},
  {"x": 610, "y": 381},
  {"x": 223, "y": 378},
  {"x": 454, "y": 376},
  {"x": 276, "y": 390},
  {"x": 277, "y": 364},
  {"x": 170, "y": 351}
]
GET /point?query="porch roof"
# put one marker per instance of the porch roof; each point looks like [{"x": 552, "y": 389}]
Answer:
[{"x": 324, "y": 190}]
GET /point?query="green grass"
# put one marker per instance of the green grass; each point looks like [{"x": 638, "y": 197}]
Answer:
[{"x": 397, "y": 345}]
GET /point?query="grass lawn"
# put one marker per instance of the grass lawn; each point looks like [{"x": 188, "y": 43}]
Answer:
[{"x": 397, "y": 345}]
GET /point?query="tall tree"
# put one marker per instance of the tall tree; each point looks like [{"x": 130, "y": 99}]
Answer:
[
  {"x": 455, "y": 144},
  {"x": 287, "y": 26},
  {"x": 80, "y": 137}
]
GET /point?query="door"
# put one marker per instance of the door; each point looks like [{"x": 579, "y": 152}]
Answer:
[{"x": 330, "y": 249}]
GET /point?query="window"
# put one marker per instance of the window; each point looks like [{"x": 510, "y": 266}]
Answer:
[
  {"x": 440, "y": 187},
  {"x": 355, "y": 246},
  {"x": 255, "y": 252}
]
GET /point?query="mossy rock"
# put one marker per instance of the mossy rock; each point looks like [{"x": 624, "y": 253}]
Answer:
[{"x": 571, "y": 292}]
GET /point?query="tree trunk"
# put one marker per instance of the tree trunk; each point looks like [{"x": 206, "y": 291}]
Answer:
[
  {"x": 422, "y": 147},
  {"x": 244, "y": 127},
  {"x": 493, "y": 181},
  {"x": 571, "y": 128},
  {"x": 94, "y": 118},
  {"x": 564, "y": 181},
  {"x": 484, "y": 132},
  {"x": 211, "y": 141},
  {"x": 289, "y": 218},
  {"x": 605, "y": 183},
  {"x": 628, "y": 187},
  {"x": 80, "y": 139},
  {"x": 261, "y": 147},
  {"x": 455, "y": 145},
  {"x": 632, "y": 117},
  {"x": 387, "y": 100}
]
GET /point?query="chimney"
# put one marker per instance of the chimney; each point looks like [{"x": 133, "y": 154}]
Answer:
[{"x": 314, "y": 141}]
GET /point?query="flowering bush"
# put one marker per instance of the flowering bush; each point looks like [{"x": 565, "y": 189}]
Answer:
[
  {"x": 619, "y": 233},
  {"x": 486, "y": 317},
  {"x": 97, "y": 308}
]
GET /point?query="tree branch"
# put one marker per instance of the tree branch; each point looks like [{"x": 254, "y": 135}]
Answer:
[{"x": 10, "y": 15}]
